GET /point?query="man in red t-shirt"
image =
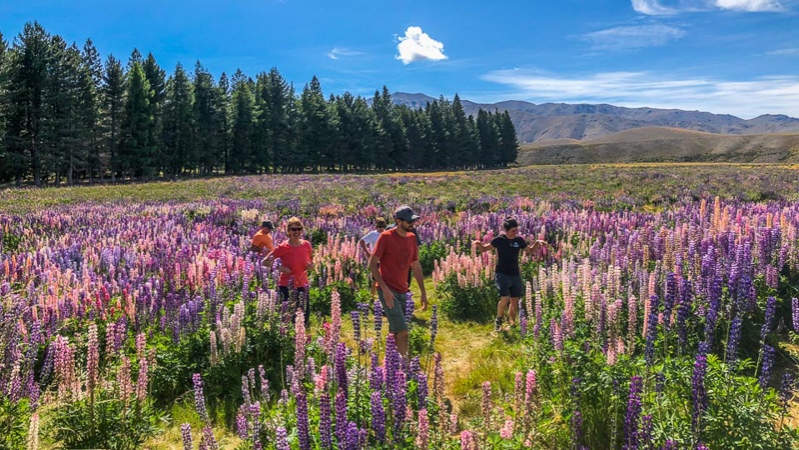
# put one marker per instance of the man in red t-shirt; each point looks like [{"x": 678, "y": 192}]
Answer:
[{"x": 395, "y": 253}]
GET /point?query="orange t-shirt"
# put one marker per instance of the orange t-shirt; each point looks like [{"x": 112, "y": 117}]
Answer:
[
  {"x": 296, "y": 259},
  {"x": 263, "y": 240},
  {"x": 396, "y": 255}
]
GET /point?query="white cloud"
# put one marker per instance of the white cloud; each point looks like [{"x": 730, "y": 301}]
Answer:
[
  {"x": 339, "y": 52},
  {"x": 750, "y": 5},
  {"x": 746, "y": 99},
  {"x": 417, "y": 45},
  {"x": 638, "y": 36},
  {"x": 652, "y": 8},
  {"x": 784, "y": 52},
  {"x": 673, "y": 7}
]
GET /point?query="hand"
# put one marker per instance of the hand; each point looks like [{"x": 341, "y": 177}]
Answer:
[
  {"x": 284, "y": 269},
  {"x": 310, "y": 265},
  {"x": 424, "y": 301},
  {"x": 388, "y": 297},
  {"x": 478, "y": 245}
]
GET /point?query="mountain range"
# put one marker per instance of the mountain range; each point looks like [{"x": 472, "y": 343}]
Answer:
[
  {"x": 555, "y": 121},
  {"x": 587, "y": 133}
]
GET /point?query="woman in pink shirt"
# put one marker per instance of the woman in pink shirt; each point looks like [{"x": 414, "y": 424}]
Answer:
[{"x": 296, "y": 259}]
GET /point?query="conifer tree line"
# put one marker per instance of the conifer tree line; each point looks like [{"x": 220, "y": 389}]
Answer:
[{"x": 67, "y": 116}]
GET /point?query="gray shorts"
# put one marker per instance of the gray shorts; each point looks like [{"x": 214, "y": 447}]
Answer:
[
  {"x": 395, "y": 315},
  {"x": 509, "y": 285}
]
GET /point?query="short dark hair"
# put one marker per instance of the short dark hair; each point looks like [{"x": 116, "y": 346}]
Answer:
[
  {"x": 380, "y": 222},
  {"x": 510, "y": 222}
]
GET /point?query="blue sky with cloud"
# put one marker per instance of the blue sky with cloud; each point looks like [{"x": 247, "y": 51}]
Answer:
[{"x": 737, "y": 57}]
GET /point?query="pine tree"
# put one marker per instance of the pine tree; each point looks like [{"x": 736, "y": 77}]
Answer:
[
  {"x": 509, "y": 145},
  {"x": 316, "y": 129},
  {"x": 137, "y": 151},
  {"x": 222, "y": 121},
  {"x": 489, "y": 139},
  {"x": 205, "y": 113},
  {"x": 156, "y": 77},
  {"x": 243, "y": 110},
  {"x": 27, "y": 78},
  {"x": 113, "y": 101},
  {"x": 5, "y": 172},
  {"x": 178, "y": 122},
  {"x": 91, "y": 103}
]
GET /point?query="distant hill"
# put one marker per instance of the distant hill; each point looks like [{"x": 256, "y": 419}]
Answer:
[
  {"x": 660, "y": 144},
  {"x": 554, "y": 133},
  {"x": 555, "y": 121}
]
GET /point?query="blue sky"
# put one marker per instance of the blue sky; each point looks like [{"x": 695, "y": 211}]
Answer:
[{"x": 737, "y": 57}]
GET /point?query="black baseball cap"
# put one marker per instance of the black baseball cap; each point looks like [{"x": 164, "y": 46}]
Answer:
[{"x": 268, "y": 224}]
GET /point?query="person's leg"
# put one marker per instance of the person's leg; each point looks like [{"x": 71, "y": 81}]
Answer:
[
  {"x": 504, "y": 298},
  {"x": 513, "y": 311},
  {"x": 401, "y": 339},
  {"x": 515, "y": 291},
  {"x": 396, "y": 320}
]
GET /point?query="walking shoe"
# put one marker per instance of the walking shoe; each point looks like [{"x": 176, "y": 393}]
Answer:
[{"x": 497, "y": 324}]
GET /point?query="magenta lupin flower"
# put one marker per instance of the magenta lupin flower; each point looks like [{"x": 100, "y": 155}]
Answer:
[{"x": 467, "y": 440}]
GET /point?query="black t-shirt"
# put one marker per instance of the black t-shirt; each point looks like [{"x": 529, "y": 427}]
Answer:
[{"x": 508, "y": 253}]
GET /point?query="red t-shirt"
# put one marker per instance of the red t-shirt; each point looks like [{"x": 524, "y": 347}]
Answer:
[
  {"x": 396, "y": 255},
  {"x": 296, "y": 259}
]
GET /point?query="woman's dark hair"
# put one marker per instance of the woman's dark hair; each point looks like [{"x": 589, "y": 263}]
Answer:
[{"x": 510, "y": 222}]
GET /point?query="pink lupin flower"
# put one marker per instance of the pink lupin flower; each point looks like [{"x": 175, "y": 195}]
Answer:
[
  {"x": 486, "y": 404},
  {"x": 506, "y": 432},
  {"x": 423, "y": 436},
  {"x": 300, "y": 341},
  {"x": 467, "y": 441},
  {"x": 92, "y": 359},
  {"x": 123, "y": 380}
]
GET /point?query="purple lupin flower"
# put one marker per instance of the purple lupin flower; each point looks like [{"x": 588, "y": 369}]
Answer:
[
  {"x": 651, "y": 330},
  {"x": 282, "y": 439},
  {"x": 185, "y": 431},
  {"x": 634, "y": 409},
  {"x": 353, "y": 436},
  {"x": 199, "y": 397},
  {"x": 422, "y": 389},
  {"x": 325, "y": 422},
  {"x": 341, "y": 367},
  {"x": 264, "y": 384},
  {"x": 378, "y": 417},
  {"x": 768, "y": 319},
  {"x": 522, "y": 323},
  {"x": 375, "y": 374},
  {"x": 341, "y": 417},
  {"x": 795, "y": 313},
  {"x": 242, "y": 428},
  {"x": 714, "y": 304},
  {"x": 768, "y": 362},
  {"x": 735, "y": 338},
  {"x": 683, "y": 312},
  {"x": 423, "y": 437},
  {"x": 577, "y": 416},
  {"x": 669, "y": 445},
  {"x": 645, "y": 438},
  {"x": 356, "y": 325},
  {"x": 302, "y": 421},
  {"x": 245, "y": 390},
  {"x": 698, "y": 393}
]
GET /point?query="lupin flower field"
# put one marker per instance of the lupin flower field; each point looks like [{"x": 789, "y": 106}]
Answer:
[{"x": 664, "y": 314}]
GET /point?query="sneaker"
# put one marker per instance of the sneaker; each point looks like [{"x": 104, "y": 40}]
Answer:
[{"x": 497, "y": 324}]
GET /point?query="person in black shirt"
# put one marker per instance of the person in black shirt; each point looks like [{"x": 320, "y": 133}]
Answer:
[{"x": 508, "y": 276}]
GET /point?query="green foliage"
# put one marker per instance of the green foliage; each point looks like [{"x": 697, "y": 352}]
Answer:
[
  {"x": 430, "y": 253},
  {"x": 108, "y": 422},
  {"x": 14, "y": 420},
  {"x": 320, "y": 298},
  {"x": 468, "y": 303},
  {"x": 10, "y": 242}
]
